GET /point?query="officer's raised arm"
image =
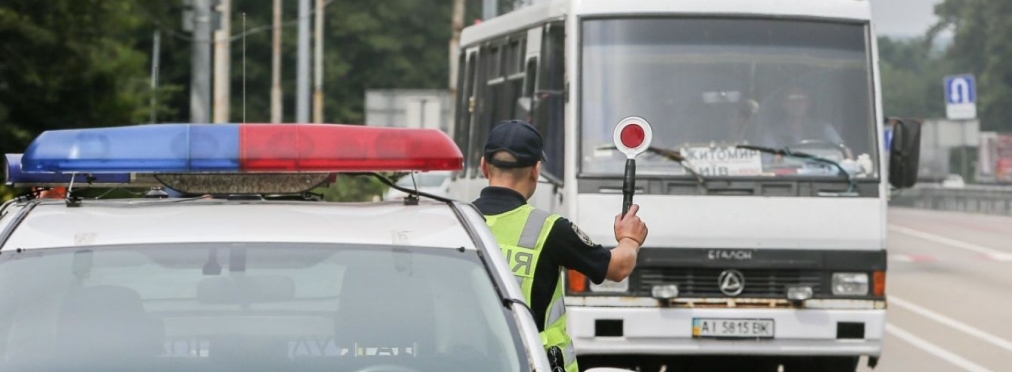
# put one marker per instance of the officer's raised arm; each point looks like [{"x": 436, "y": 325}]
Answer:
[{"x": 630, "y": 233}]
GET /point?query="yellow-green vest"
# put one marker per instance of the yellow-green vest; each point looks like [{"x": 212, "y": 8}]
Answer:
[{"x": 521, "y": 234}]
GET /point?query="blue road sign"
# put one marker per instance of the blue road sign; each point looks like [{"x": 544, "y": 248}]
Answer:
[
  {"x": 960, "y": 89},
  {"x": 961, "y": 97}
]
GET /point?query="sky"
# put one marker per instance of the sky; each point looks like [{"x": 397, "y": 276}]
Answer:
[{"x": 903, "y": 18}]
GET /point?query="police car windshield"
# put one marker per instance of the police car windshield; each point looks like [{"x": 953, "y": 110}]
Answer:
[
  {"x": 252, "y": 307},
  {"x": 708, "y": 84}
]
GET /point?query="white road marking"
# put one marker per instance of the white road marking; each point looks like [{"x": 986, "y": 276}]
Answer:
[
  {"x": 901, "y": 257},
  {"x": 935, "y": 350},
  {"x": 954, "y": 324},
  {"x": 919, "y": 258},
  {"x": 990, "y": 252}
]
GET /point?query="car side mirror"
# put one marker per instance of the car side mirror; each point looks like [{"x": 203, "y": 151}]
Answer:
[{"x": 904, "y": 153}]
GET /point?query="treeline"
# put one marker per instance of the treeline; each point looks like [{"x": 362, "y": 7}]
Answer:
[
  {"x": 87, "y": 63},
  {"x": 913, "y": 69}
]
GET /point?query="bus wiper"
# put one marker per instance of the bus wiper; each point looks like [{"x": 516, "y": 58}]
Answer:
[
  {"x": 786, "y": 152},
  {"x": 673, "y": 155},
  {"x": 676, "y": 156}
]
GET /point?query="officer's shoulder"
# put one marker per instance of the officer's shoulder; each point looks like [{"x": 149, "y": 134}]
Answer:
[
  {"x": 560, "y": 219},
  {"x": 567, "y": 230},
  {"x": 555, "y": 219},
  {"x": 536, "y": 212}
]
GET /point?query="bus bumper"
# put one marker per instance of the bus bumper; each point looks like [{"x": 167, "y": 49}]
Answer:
[{"x": 668, "y": 331}]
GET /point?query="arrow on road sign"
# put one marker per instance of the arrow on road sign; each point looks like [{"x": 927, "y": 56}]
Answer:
[{"x": 960, "y": 91}]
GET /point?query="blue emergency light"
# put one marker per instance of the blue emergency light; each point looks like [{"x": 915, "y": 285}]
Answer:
[{"x": 15, "y": 177}]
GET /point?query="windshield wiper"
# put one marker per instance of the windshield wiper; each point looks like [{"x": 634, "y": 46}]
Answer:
[
  {"x": 786, "y": 152},
  {"x": 676, "y": 156},
  {"x": 672, "y": 155}
]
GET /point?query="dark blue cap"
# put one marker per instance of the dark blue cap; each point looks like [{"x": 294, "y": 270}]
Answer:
[{"x": 518, "y": 138}]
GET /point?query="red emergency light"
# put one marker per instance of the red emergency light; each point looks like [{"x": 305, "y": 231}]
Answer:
[{"x": 335, "y": 148}]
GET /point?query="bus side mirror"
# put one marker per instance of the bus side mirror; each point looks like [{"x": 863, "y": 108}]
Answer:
[{"x": 904, "y": 153}]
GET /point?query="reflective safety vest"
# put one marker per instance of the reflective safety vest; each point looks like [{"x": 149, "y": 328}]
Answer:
[{"x": 521, "y": 234}]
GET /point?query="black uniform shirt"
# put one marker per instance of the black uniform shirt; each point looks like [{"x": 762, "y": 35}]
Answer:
[{"x": 565, "y": 246}]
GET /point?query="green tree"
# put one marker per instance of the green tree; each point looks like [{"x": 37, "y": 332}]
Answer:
[
  {"x": 368, "y": 45},
  {"x": 86, "y": 63},
  {"x": 68, "y": 64},
  {"x": 982, "y": 30},
  {"x": 912, "y": 74}
]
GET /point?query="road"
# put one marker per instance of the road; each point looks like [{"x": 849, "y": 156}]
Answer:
[{"x": 949, "y": 285}]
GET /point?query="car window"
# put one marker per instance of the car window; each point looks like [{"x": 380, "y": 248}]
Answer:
[{"x": 252, "y": 307}]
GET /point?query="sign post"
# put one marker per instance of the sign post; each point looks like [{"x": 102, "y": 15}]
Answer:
[
  {"x": 961, "y": 105},
  {"x": 632, "y": 137}
]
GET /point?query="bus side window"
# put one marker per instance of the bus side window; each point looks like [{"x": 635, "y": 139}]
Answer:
[
  {"x": 527, "y": 101},
  {"x": 550, "y": 107},
  {"x": 500, "y": 82},
  {"x": 506, "y": 86},
  {"x": 488, "y": 63},
  {"x": 465, "y": 101}
]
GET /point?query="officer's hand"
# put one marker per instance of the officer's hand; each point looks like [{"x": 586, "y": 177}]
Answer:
[{"x": 630, "y": 226}]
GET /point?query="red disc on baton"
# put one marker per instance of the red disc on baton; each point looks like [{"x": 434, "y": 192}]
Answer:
[{"x": 633, "y": 136}]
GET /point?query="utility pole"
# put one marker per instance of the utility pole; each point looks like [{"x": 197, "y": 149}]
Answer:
[
  {"x": 964, "y": 166},
  {"x": 155, "y": 56},
  {"x": 276, "y": 113},
  {"x": 222, "y": 62},
  {"x": 490, "y": 9},
  {"x": 318, "y": 65},
  {"x": 200, "y": 83},
  {"x": 457, "y": 25},
  {"x": 302, "y": 66}
]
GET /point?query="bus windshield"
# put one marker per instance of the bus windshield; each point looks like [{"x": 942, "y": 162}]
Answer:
[{"x": 707, "y": 85}]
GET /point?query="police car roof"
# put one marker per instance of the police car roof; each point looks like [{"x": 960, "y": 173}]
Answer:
[{"x": 147, "y": 221}]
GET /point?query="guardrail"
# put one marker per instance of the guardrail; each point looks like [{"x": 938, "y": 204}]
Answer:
[{"x": 971, "y": 198}]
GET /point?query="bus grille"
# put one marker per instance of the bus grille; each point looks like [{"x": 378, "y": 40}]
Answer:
[{"x": 702, "y": 282}]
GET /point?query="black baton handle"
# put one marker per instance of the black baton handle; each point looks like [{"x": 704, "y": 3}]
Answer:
[{"x": 628, "y": 185}]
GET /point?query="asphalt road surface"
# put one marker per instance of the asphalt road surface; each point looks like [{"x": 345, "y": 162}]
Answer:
[{"x": 949, "y": 286}]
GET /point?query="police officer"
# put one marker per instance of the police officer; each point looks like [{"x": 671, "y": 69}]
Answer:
[{"x": 537, "y": 244}]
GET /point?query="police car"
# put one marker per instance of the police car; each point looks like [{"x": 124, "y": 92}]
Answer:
[{"x": 247, "y": 275}]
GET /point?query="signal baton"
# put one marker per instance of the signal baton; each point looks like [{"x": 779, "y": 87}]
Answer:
[{"x": 632, "y": 137}]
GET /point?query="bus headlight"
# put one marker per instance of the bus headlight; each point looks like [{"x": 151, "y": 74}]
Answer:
[{"x": 850, "y": 284}]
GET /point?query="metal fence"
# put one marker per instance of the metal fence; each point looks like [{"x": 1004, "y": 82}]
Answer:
[{"x": 971, "y": 199}]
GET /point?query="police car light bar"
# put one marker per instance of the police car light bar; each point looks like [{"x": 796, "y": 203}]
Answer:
[{"x": 240, "y": 148}]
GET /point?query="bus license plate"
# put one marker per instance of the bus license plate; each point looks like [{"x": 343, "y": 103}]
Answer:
[{"x": 732, "y": 328}]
